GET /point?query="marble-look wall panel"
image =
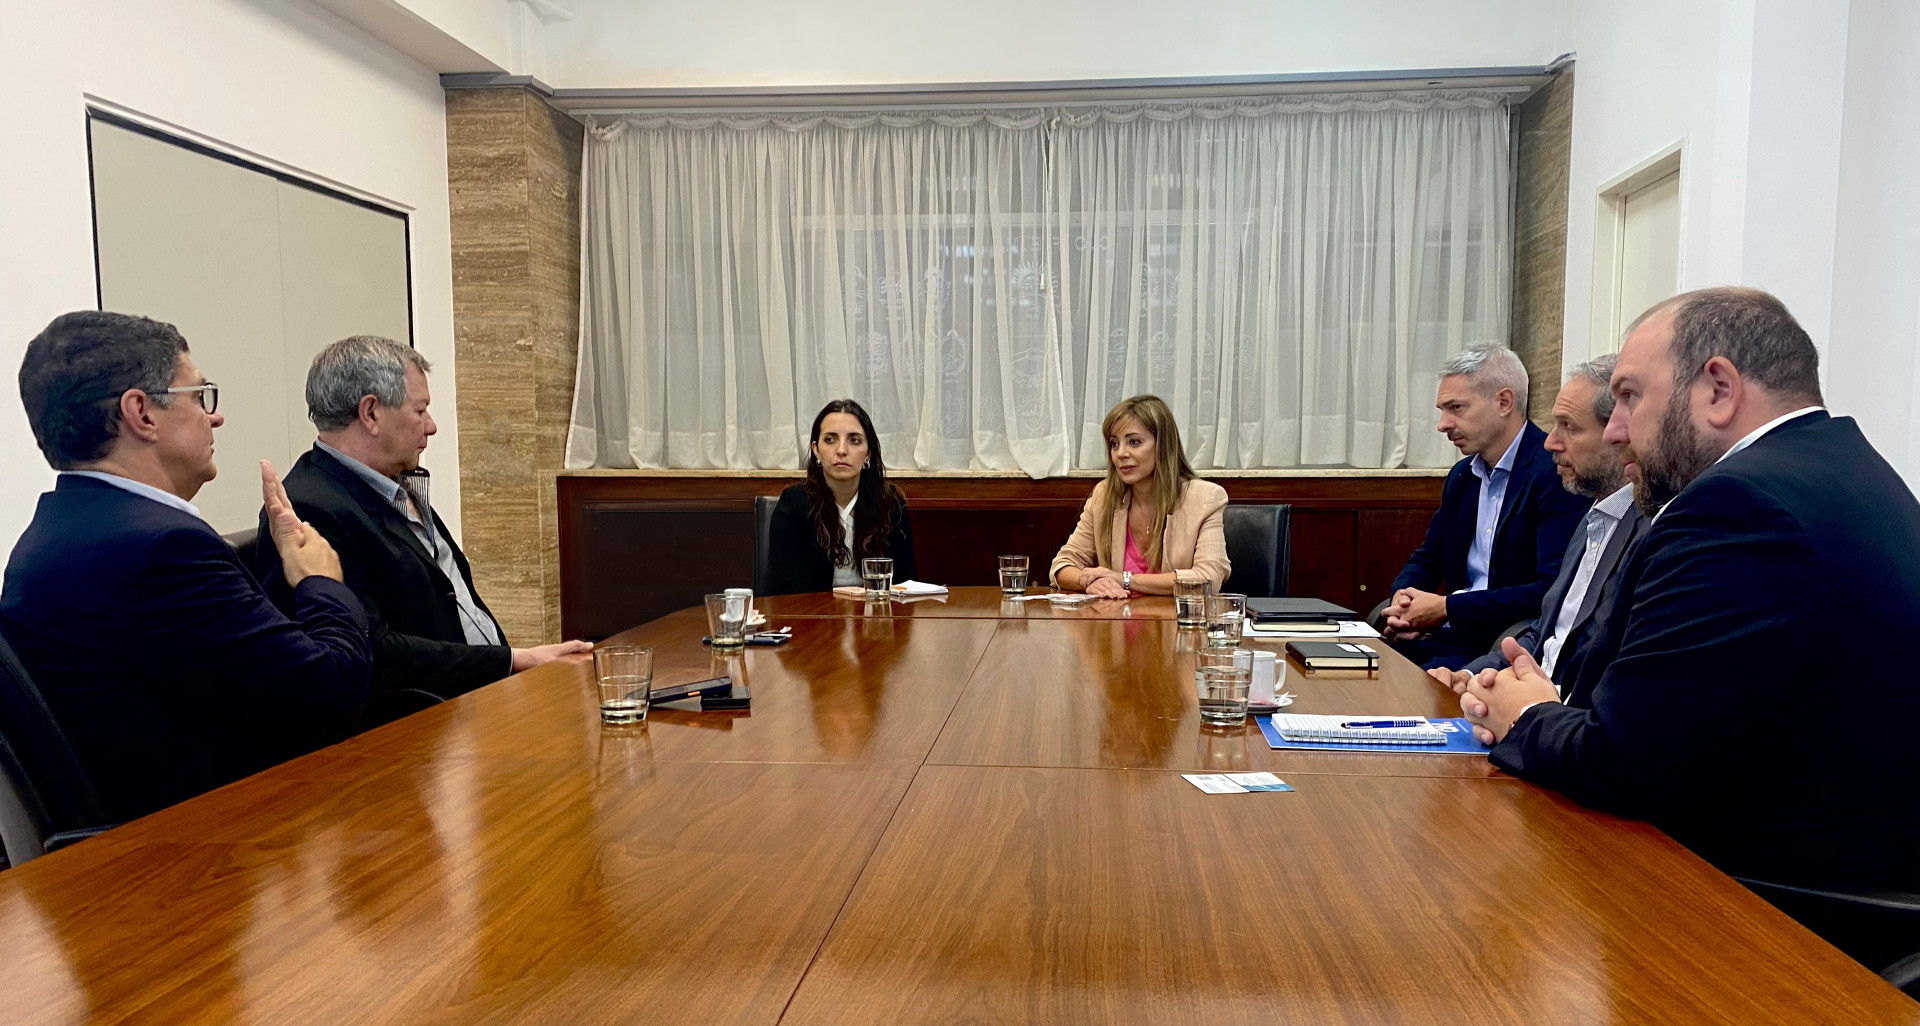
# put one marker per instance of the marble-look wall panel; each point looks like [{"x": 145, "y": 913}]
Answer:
[
  {"x": 1540, "y": 239},
  {"x": 513, "y": 167}
]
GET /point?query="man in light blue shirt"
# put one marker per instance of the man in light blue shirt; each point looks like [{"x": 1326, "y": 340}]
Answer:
[{"x": 1498, "y": 539}]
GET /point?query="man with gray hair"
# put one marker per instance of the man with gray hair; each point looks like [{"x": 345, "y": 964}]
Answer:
[
  {"x": 362, "y": 485},
  {"x": 1497, "y": 541},
  {"x": 1586, "y": 591}
]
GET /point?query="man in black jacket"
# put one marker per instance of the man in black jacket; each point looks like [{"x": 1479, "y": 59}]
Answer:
[
  {"x": 363, "y": 487},
  {"x": 1496, "y": 542},
  {"x": 1723, "y": 706},
  {"x": 162, "y": 660}
]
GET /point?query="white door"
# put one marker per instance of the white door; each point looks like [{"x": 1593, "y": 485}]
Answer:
[{"x": 1649, "y": 248}]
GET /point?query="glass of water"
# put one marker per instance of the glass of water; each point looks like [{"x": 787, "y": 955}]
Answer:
[
  {"x": 877, "y": 572},
  {"x": 1013, "y": 575},
  {"x": 1223, "y": 678},
  {"x": 727, "y": 620},
  {"x": 624, "y": 673},
  {"x": 1190, "y": 603},
  {"x": 1225, "y": 613}
]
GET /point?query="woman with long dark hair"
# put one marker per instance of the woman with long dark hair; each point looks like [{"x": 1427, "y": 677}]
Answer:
[
  {"x": 845, "y": 510},
  {"x": 1153, "y": 521}
]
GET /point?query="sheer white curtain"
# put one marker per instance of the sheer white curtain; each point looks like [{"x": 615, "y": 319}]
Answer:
[{"x": 1288, "y": 275}]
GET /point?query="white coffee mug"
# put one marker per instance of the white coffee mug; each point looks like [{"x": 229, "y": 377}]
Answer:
[{"x": 1266, "y": 676}]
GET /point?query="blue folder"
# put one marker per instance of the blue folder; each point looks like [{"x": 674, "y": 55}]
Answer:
[{"x": 1459, "y": 740}]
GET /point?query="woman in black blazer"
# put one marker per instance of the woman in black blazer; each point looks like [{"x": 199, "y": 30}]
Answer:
[{"x": 844, "y": 512}]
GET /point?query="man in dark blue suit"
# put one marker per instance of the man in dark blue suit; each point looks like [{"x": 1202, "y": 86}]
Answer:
[
  {"x": 1724, "y": 707},
  {"x": 1496, "y": 542},
  {"x": 160, "y": 656},
  {"x": 1586, "y": 589}
]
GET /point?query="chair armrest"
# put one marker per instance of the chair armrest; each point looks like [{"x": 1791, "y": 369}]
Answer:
[{"x": 64, "y": 838}]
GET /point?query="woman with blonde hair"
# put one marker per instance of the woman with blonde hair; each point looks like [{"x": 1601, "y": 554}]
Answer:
[{"x": 1153, "y": 521}]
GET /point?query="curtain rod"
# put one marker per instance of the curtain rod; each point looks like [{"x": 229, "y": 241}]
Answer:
[{"x": 1513, "y": 80}]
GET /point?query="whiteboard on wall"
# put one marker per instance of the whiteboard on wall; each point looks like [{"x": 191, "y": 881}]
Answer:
[{"x": 259, "y": 270}]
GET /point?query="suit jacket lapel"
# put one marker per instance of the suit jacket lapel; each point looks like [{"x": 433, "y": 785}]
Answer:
[
  {"x": 1117, "y": 533},
  {"x": 1576, "y": 546},
  {"x": 1623, "y": 535},
  {"x": 390, "y": 519}
]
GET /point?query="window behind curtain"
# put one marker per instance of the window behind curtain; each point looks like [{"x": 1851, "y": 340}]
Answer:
[{"x": 1288, "y": 275}]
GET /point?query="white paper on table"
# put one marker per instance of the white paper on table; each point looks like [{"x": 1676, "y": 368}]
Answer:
[
  {"x": 915, "y": 589},
  {"x": 1348, "y": 629}
]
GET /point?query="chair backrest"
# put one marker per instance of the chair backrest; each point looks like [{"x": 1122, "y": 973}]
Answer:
[
  {"x": 1257, "y": 546},
  {"x": 46, "y": 789},
  {"x": 763, "y": 506},
  {"x": 245, "y": 545}
]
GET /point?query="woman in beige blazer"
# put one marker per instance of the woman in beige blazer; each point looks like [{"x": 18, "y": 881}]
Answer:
[{"x": 1153, "y": 521}]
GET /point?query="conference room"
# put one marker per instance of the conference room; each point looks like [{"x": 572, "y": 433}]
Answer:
[{"x": 593, "y": 511}]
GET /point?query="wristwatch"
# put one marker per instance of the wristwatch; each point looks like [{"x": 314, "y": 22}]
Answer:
[{"x": 1126, "y": 579}]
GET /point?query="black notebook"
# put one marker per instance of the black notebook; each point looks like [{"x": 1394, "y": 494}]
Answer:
[
  {"x": 1266, "y": 611},
  {"x": 1334, "y": 655}
]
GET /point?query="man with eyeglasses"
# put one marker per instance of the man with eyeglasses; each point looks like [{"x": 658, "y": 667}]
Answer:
[{"x": 162, "y": 659}]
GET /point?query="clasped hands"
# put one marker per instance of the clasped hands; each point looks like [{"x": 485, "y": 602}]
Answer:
[
  {"x": 1414, "y": 614},
  {"x": 1101, "y": 582},
  {"x": 1492, "y": 700}
]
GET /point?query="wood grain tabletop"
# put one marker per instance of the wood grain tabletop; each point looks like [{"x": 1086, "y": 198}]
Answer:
[{"x": 921, "y": 819}]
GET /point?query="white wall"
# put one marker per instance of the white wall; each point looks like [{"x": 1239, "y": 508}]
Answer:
[
  {"x": 1871, "y": 368},
  {"x": 278, "y": 78},
  {"x": 1800, "y": 172},
  {"x": 660, "y": 43}
]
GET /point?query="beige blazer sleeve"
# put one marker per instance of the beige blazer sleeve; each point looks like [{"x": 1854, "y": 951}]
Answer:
[
  {"x": 1081, "y": 549},
  {"x": 1195, "y": 548}
]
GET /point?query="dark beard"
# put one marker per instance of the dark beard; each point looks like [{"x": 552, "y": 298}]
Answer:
[
  {"x": 1598, "y": 482},
  {"x": 1672, "y": 462}
]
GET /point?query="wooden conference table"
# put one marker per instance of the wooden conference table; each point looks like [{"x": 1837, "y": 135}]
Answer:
[{"x": 955, "y": 812}]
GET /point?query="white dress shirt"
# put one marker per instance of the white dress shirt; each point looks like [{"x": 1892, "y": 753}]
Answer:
[
  {"x": 143, "y": 490},
  {"x": 1602, "y": 519},
  {"x": 1493, "y": 495},
  {"x": 847, "y": 575}
]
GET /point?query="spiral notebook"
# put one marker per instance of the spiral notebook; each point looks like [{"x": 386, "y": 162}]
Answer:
[
  {"x": 1342, "y": 729},
  {"x": 1458, "y": 733}
]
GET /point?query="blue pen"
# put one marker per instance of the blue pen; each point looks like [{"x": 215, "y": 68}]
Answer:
[{"x": 1383, "y": 723}]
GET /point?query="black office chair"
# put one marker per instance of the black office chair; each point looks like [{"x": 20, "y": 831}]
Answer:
[
  {"x": 1880, "y": 929},
  {"x": 1257, "y": 548},
  {"x": 47, "y": 801},
  {"x": 763, "y": 506},
  {"x": 246, "y": 545}
]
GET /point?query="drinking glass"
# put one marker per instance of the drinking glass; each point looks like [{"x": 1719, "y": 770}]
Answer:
[
  {"x": 1013, "y": 575},
  {"x": 1223, "y": 680},
  {"x": 624, "y": 672},
  {"x": 1190, "y": 603},
  {"x": 1225, "y": 613},
  {"x": 877, "y": 572},
  {"x": 726, "y": 620}
]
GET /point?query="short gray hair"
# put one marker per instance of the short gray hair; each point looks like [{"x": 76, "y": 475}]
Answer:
[
  {"x": 1599, "y": 371},
  {"x": 352, "y": 369},
  {"x": 1491, "y": 367}
]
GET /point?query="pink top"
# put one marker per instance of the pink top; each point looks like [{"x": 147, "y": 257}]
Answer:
[{"x": 1133, "y": 561}]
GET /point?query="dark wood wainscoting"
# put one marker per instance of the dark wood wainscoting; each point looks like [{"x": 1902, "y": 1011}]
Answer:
[{"x": 637, "y": 546}]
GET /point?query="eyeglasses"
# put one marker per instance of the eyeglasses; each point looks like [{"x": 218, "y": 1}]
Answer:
[{"x": 208, "y": 394}]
